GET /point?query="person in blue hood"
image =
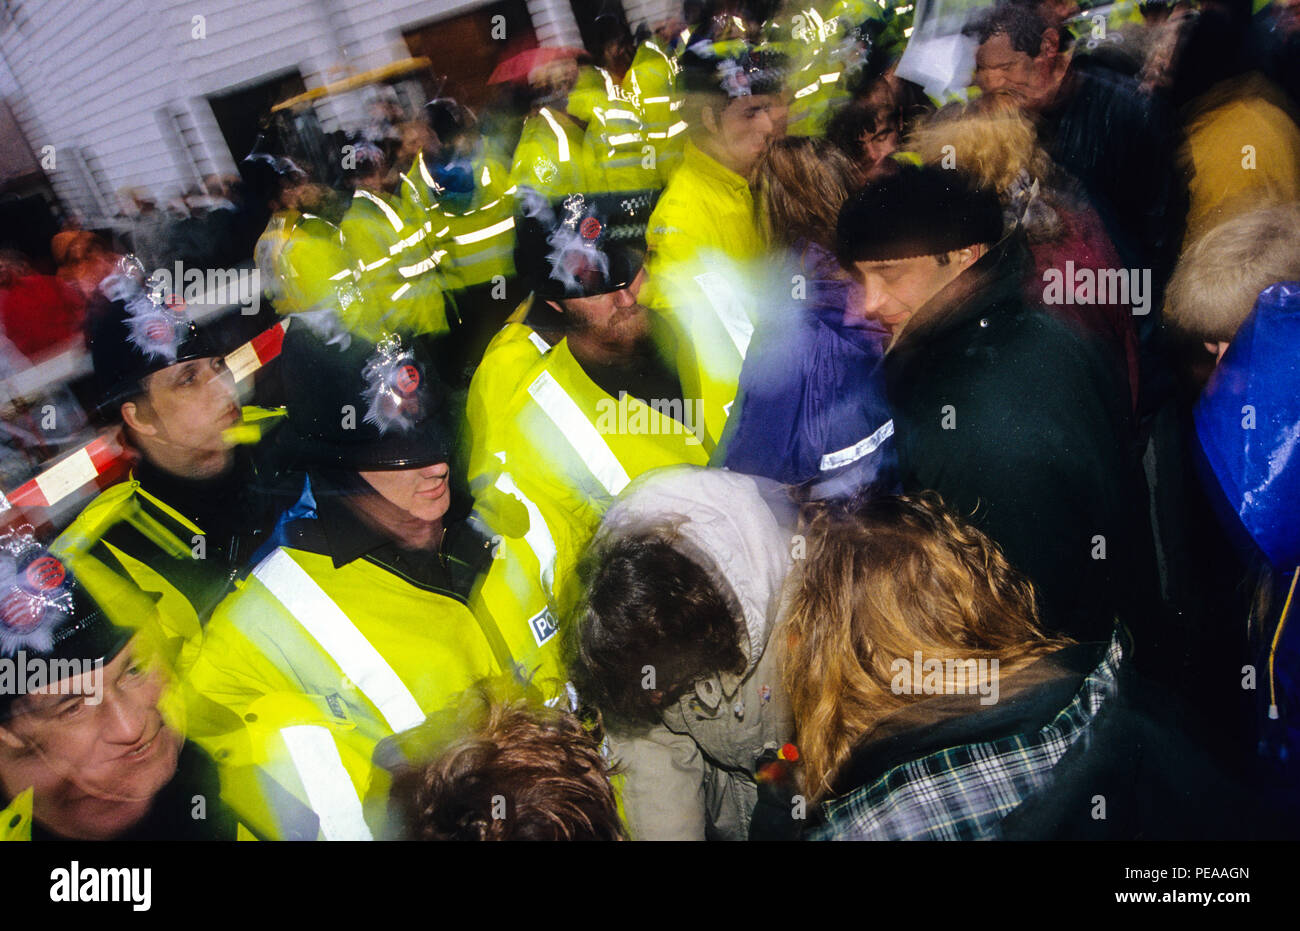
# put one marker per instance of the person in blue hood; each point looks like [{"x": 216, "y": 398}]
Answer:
[
  {"x": 1248, "y": 450},
  {"x": 811, "y": 409}
]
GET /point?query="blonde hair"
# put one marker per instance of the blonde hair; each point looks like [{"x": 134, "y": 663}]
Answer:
[
  {"x": 894, "y": 576},
  {"x": 802, "y": 183},
  {"x": 990, "y": 148},
  {"x": 1218, "y": 277}
]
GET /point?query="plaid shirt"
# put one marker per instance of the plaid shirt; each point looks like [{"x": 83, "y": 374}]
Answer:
[{"x": 964, "y": 792}]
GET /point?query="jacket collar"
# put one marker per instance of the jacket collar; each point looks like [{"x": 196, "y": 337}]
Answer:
[
  {"x": 993, "y": 281},
  {"x": 1064, "y": 673},
  {"x": 713, "y": 172}
]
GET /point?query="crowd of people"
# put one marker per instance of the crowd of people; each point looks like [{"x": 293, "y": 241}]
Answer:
[{"x": 748, "y": 444}]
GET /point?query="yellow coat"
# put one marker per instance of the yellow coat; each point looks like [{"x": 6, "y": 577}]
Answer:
[{"x": 705, "y": 243}]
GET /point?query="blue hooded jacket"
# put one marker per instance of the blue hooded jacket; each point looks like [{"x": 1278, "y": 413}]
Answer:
[
  {"x": 811, "y": 405},
  {"x": 1248, "y": 437}
]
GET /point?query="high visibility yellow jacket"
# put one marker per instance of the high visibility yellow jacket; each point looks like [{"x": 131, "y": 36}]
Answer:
[
  {"x": 307, "y": 666},
  {"x": 396, "y": 271},
  {"x": 652, "y": 80},
  {"x": 266, "y": 253},
  {"x": 622, "y": 156},
  {"x": 817, "y": 60},
  {"x": 704, "y": 241},
  {"x": 313, "y": 270},
  {"x": 551, "y": 157},
  {"x": 16, "y": 818},
  {"x": 544, "y": 433},
  {"x": 127, "y": 535},
  {"x": 480, "y": 237}
]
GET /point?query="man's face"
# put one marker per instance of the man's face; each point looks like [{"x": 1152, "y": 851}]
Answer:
[
  {"x": 1008, "y": 78},
  {"x": 190, "y": 405},
  {"x": 423, "y": 493},
  {"x": 893, "y": 291},
  {"x": 1288, "y": 17},
  {"x": 95, "y": 767},
  {"x": 744, "y": 128},
  {"x": 610, "y": 326}
]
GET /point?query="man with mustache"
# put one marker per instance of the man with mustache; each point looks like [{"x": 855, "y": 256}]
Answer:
[{"x": 572, "y": 400}]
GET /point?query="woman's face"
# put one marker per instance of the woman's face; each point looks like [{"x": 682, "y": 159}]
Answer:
[{"x": 424, "y": 493}]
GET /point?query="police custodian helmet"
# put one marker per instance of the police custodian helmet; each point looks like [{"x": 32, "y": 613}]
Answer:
[
  {"x": 583, "y": 244},
  {"x": 354, "y": 404}
]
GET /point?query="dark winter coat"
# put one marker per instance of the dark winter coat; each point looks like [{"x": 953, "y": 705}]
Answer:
[
  {"x": 1086, "y": 751},
  {"x": 1023, "y": 426}
]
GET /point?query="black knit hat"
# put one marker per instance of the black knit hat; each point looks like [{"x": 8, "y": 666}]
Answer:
[{"x": 916, "y": 211}]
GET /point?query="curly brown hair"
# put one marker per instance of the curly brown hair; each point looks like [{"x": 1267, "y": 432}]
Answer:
[
  {"x": 881, "y": 580},
  {"x": 527, "y": 772}
]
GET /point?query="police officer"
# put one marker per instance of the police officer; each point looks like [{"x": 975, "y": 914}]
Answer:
[
  {"x": 389, "y": 245},
  {"x": 704, "y": 235},
  {"x": 552, "y": 156},
  {"x": 192, "y": 508},
  {"x": 377, "y": 602},
  {"x": 573, "y": 400},
  {"x": 474, "y": 207},
  {"x": 85, "y": 750}
]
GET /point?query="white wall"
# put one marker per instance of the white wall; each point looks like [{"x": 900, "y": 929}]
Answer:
[{"x": 93, "y": 74}]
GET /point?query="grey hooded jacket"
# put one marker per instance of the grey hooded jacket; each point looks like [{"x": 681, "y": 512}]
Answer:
[{"x": 691, "y": 776}]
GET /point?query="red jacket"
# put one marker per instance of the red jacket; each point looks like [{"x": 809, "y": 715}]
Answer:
[{"x": 39, "y": 311}]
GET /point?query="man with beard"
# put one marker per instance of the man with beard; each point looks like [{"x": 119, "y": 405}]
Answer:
[{"x": 572, "y": 402}]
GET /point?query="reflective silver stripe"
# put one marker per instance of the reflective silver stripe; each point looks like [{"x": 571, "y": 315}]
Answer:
[
  {"x": 722, "y": 298},
  {"x": 329, "y": 788},
  {"x": 538, "y": 536},
  {"x": 486, "y": 232},
  {"x": 559, "y": 134},
  {"x": 663, "y": 99},
  {"x": 388, "y": 211},
  {"x": 542, "y": 345},
  {"x": 424, "y": 173},
  {"x": 378, "y": 263},
  {"x": 863, "y": 447},
  {"x": 676, "y": 128},
  {"x": 580, "y": 432},
  {"x": 400, "y": 291},
  {"x": 412, "y": 239},
  {"x": 338, "y": 636},
  {"x": 419, "y": 268}
]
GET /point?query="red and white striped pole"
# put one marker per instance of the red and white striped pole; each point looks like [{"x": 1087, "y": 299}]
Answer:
[{"x": 101, "y": 454}]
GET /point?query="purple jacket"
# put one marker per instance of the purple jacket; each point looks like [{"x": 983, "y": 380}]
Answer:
[{"x": 811, "y": 407}]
